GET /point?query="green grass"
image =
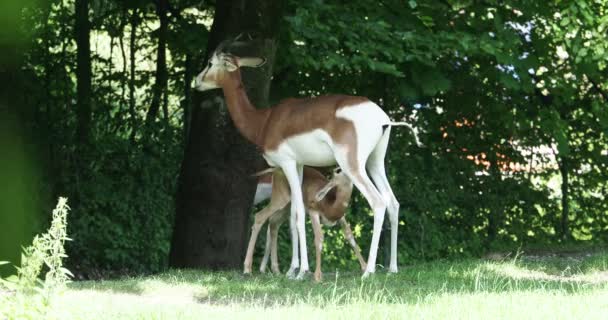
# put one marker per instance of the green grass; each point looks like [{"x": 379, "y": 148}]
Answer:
[{"x": 565, "y": 287}]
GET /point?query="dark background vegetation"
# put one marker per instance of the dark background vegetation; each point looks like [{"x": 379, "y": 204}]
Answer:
[{"x": 96, "y": 104}]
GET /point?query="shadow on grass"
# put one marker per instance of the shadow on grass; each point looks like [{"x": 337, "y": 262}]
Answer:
[
  {"x": 412, "y": 284},
  {"x": 128, "y": 286}
]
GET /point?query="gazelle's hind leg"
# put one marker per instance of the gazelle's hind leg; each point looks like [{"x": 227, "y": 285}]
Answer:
[
  {"x": 376, "y": 170},
  {"x": 356, "y": 172},
  {"x": 260, "y": 219}
]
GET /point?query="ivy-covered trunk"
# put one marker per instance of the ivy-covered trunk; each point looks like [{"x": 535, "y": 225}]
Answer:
[
  {"x": 160, "y": 85},
  {"x": 215, "y": 190},
  {"x": 82, "y": 28}
]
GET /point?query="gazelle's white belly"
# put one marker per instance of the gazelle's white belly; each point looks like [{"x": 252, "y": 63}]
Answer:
[
  {"x": 313, "y": 148},
  {"x": 316, "y": 147}
]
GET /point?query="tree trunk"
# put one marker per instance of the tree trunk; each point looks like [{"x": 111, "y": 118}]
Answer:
[
  {"x": 134, "y": 22},
  {"x": 161, "y": 76},
  {"x": 215, "y": 192},
  {"x": 563, "y": 169},
  {"x": 82, "y": 28},
  {"x": 495, "y": 208},
  {"x": 123, "y": 78}
]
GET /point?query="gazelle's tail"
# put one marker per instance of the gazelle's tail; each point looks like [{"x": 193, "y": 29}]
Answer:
[
  {"x": 263, "y": 172},
  {"x": 412, "y": 129}
]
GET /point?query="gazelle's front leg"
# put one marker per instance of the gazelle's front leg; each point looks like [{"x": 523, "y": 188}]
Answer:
[
  {"x": 318, "y": 231},
  {"x": 293, "y": 172},
  {"x": 295, "y": 256},
  {"x": 264, "y": 262},
  {"x": 348, "y": 234}
]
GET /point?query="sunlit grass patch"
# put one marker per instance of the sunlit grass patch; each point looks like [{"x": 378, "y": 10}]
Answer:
[{"x": 512, "y": 288}]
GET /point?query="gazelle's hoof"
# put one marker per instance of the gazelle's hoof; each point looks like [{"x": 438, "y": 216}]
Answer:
[
  {"x": 301, "y": 275},
  {"x": 367, "y": 273},
  {"x": 393, "y": 269},
  {"x": 318, "y": 277},
  {"x": 291, "y": 273},
  {"x": 262, "y": 270}
]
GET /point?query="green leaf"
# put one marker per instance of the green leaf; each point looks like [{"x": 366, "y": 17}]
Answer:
[
  {"x": 562, "y": 143},
  {"x": 431, "y": 81},
  {"x": 406, "y": 91},
  {"x": 509, "y": 81},
  {"x": 66, "y": 271}
]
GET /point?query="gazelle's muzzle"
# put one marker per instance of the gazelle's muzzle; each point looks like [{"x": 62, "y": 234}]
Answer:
[{"x": 199, "y": 83}]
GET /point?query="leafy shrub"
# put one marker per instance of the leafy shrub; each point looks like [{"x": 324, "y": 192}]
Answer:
[
  {"x": 25, "y": 296},
  {"x": 123, "y": 215}
]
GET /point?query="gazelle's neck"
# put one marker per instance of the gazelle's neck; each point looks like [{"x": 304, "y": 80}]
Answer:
[{"x": 247, "y": 119}]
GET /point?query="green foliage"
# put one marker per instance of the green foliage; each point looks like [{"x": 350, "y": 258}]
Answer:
[
  {"x": 495, "y": 66},
  {"x": 125, "y": 216},
  {"x": 28, "y": 297},
  {"x": 121, "y": 184},
  {"x": 504, "y": 94}
]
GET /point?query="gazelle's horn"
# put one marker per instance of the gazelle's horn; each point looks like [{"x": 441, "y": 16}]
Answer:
[{"x": 229, "y": 43}]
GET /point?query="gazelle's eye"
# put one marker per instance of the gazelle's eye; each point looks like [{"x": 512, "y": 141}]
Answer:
[{"x": 338, "y": 170}]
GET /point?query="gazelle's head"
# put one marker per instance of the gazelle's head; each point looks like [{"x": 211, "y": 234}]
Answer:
[
  {"x": 220, "y": 64},
  {"x": 340, "y": 181}
]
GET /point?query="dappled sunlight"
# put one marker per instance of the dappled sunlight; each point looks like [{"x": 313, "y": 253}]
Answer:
[
  {"x": 470, "y": 288},
  {"x": 413, "y": 283},
  {"x": 518, "y": 271}
]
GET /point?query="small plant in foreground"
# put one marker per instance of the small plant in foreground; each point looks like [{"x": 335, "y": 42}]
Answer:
[{"x": 25, "y": 295}]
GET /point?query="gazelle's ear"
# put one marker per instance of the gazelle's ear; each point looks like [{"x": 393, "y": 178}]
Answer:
[
  {"x": 230, "y": 66},
  {"x": 251, "y": 62},
  {"x": 323, "y": 192}
]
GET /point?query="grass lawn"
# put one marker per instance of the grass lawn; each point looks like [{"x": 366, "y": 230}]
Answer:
[{"x": 573, "y": 286}]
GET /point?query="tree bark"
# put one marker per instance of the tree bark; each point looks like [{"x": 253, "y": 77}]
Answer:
[
  {"x": 189, "y": 66},
  {"x": 82, "y": 28},
  {"x": 564, "y": 228},
  {"x": 121, "y": 43},
  {"x": 215, "y": 193},
  {"x": 161, "y": 76}
]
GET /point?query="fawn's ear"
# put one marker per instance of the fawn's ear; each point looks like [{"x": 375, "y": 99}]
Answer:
[
  {"x": 230, "y": 65},
  {"x": 323, "y": 192},
  {"x": 252, "y": 62}
]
